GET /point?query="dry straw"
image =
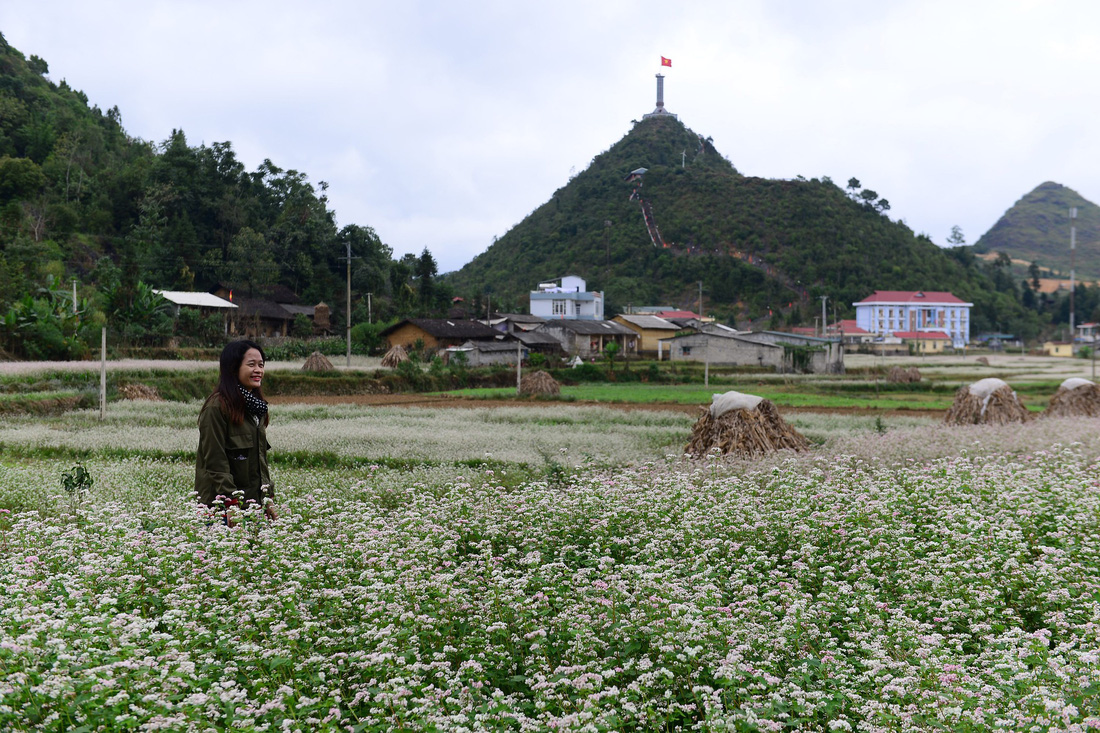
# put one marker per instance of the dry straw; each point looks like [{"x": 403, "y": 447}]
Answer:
[
  {"x": 900, "y": 375},
  {"x": 317, "y": 362},
  {"x": 744, "y": 426},
  {"x": 539, "y": 383},
  {"x": 1075, "y": 398},
  {"x": 986, "y": 402},
  {"x": 135, "y": 391},
  {"x": 395, "y": 356}
]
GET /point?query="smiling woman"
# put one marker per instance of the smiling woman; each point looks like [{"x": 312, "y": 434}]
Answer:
[{"x": 231, "y": 465}]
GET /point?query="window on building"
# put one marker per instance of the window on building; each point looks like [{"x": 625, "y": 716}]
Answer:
[{"x": 559, "y": 308}]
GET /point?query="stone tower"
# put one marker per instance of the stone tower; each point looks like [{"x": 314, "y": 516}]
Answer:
[{"x": 660, "y": 111}]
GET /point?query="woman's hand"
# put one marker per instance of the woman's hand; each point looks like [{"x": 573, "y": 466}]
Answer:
[{"x": 270, "y": 513}]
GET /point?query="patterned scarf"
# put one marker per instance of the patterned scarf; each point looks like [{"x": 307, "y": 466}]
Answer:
[{"x": 255, "y": 406}]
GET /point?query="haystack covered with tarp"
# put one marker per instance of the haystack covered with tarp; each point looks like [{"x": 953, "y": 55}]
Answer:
[
  {"x": 395, "y": 356},
  {"x": 317, "y": 362},
  {"x": 539, "y": 382},
  {"x": 986, "y": 402},
  {"x": 742, "y": 425},
  {"x": 1076, "y": 397}
]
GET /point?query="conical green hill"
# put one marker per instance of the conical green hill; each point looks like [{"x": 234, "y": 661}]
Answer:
[
  {"x": 1036, "y": 229},
  {"x": 756, "y": 244}
]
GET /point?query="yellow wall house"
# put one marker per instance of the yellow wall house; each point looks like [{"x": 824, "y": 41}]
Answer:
[
  {"x": 650, "y": 330},
  {"x": 925, "y": 342},
  {"x": 1058, "y": 348},
  {"x": 436, "y": 333}
]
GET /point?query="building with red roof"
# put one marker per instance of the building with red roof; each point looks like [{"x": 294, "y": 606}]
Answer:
[{"x": 893, "y": 312}]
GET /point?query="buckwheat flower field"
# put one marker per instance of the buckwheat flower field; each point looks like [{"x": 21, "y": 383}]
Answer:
[{"x": 918, "y": 579}]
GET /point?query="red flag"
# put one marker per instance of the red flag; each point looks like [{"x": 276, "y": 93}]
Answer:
[{"x": 666, "y": 62}]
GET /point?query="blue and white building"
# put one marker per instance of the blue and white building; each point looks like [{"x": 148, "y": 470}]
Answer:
[
  {"x": 888, "y": 312},
  {"x": 566, "y": 299}
]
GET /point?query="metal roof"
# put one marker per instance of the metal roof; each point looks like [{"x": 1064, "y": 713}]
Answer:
[
  {"x": 589, "y": 327},
  {"x": 653, "y": 322},
  {"x": 202, "y": 300}
]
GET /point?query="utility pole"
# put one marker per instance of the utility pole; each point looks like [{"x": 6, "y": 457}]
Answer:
[
  {"x": 700, "y": 300},
  {"x": 369, "y": 320},
  {"x": 1072, "y": 263},
  {"x": 348, "y": 329},
  {"x": 74, "y": 296},
  {"x": 823, "y": 321}
]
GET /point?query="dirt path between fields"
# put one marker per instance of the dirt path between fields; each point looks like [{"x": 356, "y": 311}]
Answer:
[{"x": 420, "y": 400}]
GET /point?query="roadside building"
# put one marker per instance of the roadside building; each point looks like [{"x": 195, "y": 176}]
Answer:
[
  {"x": 924, "y": 342},
  {"x": 589, "y": 338},
  {"x": 650, "y": 330},
  {"x": 1058, "y": 348},
  {"x": 437, "y": 333},
  {"x": 205, "y": 303},
  {"x": 487, "y": 353},
  {"x": 782, "y": 352}
]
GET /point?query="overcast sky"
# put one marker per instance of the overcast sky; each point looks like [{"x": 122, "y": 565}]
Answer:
[{"x": 442, "y": 124}]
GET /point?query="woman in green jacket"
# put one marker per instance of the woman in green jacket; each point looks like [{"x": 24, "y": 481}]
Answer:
[{"x": 231, "y": 467}]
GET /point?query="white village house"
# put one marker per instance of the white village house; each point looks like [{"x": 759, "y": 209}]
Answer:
[
  {"x": 887, "y": 312},
  {"x": 566, "y": 299}
]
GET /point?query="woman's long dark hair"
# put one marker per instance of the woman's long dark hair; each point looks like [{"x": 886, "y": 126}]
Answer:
[{"x": 228, "y": 391}]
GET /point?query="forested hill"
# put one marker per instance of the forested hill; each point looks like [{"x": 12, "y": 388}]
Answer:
[
  {"x": 756, "y": 244},
  {"x": 1036, "y": 229},
  {"x": 81, "y": 199}
]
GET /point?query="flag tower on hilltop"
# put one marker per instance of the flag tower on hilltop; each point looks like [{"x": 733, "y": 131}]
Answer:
[{"x": 660, "y": 111}]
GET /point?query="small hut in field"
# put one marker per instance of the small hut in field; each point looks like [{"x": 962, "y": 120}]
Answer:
[
  {"x": 1076, "y": 397},
  {"x": 539, "y": 382},
  {"x": 317, "y": 362},
  {"x": 742, "y": 425},
  {"x": 986, "y": 402},
  {"x": 395, "y": 356}
]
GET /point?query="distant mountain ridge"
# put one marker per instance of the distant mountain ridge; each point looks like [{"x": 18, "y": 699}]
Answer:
[
  {"x": 1037, "y": 229},
  {"x": 758, "y": 246}
]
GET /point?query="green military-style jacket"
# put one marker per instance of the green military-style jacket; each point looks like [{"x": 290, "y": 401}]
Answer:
[{"x": 231, "y": 457}]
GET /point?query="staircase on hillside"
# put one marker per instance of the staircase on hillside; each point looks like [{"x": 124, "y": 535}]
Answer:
[
  {"x": 749, "y": 259},
  {"x": 651, "y": 224}
]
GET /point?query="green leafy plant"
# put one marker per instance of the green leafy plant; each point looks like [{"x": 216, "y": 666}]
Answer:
[{"x": 77, "y": 482}]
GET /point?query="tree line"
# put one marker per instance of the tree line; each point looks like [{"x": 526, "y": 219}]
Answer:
[{"x": 81, "y": 200}]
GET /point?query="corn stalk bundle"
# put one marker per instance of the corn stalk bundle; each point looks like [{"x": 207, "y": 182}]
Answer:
[
  {"x": 317, "y": 362},
  {"x": 1075, "y": 398},
  {"x": 539, "y": 382},
  {"x": 744, "y": 432},
  {"x": 395, "y": 356},
  {"x": 986, "y": 402},
  {"x": 136, "y": 391},
  {"x": 900, "y": 375}
]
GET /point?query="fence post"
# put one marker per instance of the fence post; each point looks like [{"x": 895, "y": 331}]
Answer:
[
  {"x": 103, "y": 375},
  {"x": 519, "y": 365}
]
